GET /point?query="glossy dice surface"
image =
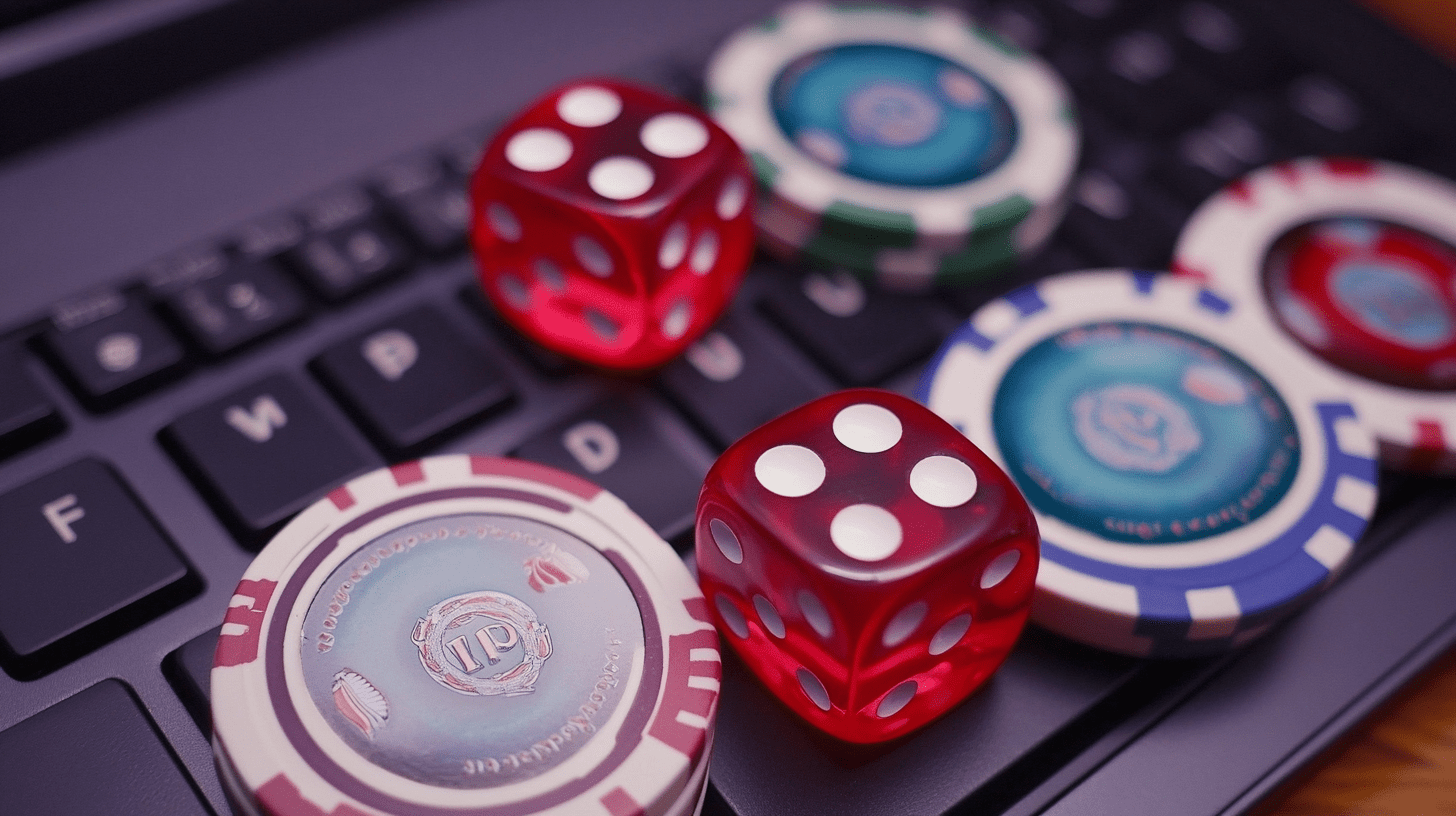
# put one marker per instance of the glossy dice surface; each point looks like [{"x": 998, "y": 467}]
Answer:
[
  {"x": 612, "y": 223},
  {"x": 867, "y": 562}
]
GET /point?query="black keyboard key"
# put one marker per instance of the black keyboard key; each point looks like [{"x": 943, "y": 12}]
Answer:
[
  {"x": 462, "y": 152},
  {"x": 862, "y": 336},
  {"x": 264, "y": 452},
  {"x": 1116, "y": 225},
  {"x": 1054, "y": 258},
  {"x": 714, "y": 804},
  {"x": 110, "y": 347},
  {"x": 83, "y": 563},
  {"x": 27, "y": 415},
  {"x": 622, "y": 447},
  {"x": 185, "y": 267},
  {"x": 1019, "y": 23},
  {"x": 267, "y": 237},
  {"x": 190, "y": 670},
  {"x": 1221, "y": 44},
  {"x": 433, "y": 208},
  {"x": 735, "y": 378},
  {"x": 1204, "y": 159},
  {"x": 548, "y": 362},
  {"x": 242, "y": 303},
  {"x": 413, "y": 379},
  {"x": 1327, "y": 117},
  {"x": 349, "y": 248},
  {"x": 1127, "y": 157},
  {"x": 1142, "y": 82},
  {"x": 1087, "y": 18},
  {"x": 94, "y": 752}
]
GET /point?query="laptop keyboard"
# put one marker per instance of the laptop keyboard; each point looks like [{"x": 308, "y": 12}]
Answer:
[{"x": 217, "y": 392}]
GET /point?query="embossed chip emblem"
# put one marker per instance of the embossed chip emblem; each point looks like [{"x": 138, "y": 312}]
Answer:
[
  {"x": 360, "y": 702},
  {"x": 555, "y": 568},
  {"x": 460, "y": 638}
]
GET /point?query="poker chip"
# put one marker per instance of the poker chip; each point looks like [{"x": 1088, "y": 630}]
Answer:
[
  {"x": 987, "y": 255},
  {"x": 466, "y": 634},
  {"x": 1192, "y": 484},
  {"x": 911, "y": 131},
  {"x": 1353, "y": 262}
]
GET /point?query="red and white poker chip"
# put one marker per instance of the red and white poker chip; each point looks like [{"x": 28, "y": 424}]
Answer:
[{"x": 1235, "y": 241}]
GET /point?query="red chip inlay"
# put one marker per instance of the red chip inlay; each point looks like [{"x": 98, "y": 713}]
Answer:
[
  {"x": 241, "y": 649},
  {"x": 619, "y": 803},
  {"x": 1179, "y": 268},
  {"x": 341, "y": 497},
  {"x": 1288, "y": 171},
  {"x": 698, "y": 609},
  {"x": 1430, "y": 445},
  {"x": 1240, "y": 190},
  {"x": 1429, "y": 436},
  {"x": 280, "y": 795},
  {"x": 407, "y": 473},
  {"x": 1350, "y": 166},
  {"x": 678, "y": 696},
  {"x": 521, "y": 469}
]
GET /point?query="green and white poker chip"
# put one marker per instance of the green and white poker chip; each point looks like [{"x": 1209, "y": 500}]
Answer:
[
  {"x": 985, "y": 256},
  {"x": 891, "y": 128}
]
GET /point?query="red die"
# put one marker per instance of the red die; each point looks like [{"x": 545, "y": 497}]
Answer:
[
  {"x": 868, "y": 562},
  {"x": 612, "y": 223}
]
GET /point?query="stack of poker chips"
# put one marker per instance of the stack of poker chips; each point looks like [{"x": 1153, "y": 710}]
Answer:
[{"x": 910, "y": 147}]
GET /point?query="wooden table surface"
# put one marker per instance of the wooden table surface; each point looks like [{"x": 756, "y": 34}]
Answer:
[{"x": 1402, "y": 760}]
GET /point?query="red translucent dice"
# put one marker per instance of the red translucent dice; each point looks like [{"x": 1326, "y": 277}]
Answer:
[
  {"x": 868, "y": 562},
  {"x": 612, "y": 223}
]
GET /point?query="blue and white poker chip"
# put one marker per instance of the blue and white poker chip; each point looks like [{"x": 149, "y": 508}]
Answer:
[
  {"x": 1192, "y": 484},
  {"x": 465, "y": 634}
]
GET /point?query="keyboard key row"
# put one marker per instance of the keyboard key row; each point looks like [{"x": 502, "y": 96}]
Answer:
[
  {"x": 264, "y": 451},
  {"x": 212, "y": 300}
]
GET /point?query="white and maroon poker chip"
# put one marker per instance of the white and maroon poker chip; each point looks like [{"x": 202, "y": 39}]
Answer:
[{"x": 466, "y": 634}]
